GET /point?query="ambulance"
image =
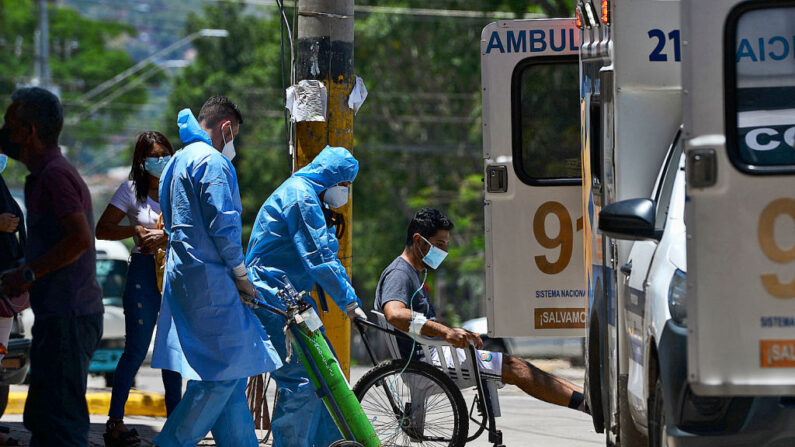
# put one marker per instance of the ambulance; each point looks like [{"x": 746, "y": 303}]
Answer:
[{"x": 671, "y": 206}]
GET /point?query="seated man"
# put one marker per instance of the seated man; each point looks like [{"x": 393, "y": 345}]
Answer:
[{"x": 401, "y": 289}]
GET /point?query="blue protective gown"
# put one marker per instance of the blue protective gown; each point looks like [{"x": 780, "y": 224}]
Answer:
[
  {"x": 290, "y": 238},
  {"x": 204, "y": 331}
]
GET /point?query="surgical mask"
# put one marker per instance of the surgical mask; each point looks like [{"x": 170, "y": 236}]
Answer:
[
  {"x": 3, "y": 162},
  {"x": 336, "y": 196},
  {"x": 10, "y": 148},
  {"x": 229, "y": 147},
  {"x": 155, "y": 165},
  {"x": 434, "y": 257}
]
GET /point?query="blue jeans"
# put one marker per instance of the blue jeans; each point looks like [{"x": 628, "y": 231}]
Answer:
[
  {"x": 56, "y": 412},
  {"x": 217, "y": 406},
  {"x": 141, "y": 305}
]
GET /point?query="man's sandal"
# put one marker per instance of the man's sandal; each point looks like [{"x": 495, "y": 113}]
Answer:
[{"x": 115, "y": 437}]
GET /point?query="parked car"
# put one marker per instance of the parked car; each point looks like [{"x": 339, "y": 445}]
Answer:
[
  {"x": 530, "y": 347},
  {"x": 112, "y": 260},
  {"x": 112, "y": 257}
]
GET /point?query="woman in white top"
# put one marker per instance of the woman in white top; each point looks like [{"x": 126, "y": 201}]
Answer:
[{"x": 137, "y": 200}]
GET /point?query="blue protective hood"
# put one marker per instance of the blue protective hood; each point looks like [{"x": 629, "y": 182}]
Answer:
[
  {"x": 189, "y": 129},
  {"x": 332, "y": 165}
]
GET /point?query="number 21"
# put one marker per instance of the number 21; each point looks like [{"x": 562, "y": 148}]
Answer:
[{"x": 657, "y": 54}]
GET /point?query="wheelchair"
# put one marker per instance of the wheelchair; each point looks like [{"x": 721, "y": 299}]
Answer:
[{"x": 420, "y": 403}]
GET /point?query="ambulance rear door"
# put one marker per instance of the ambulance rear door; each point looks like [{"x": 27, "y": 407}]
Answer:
[
  {"x": 535, "y": 282},
  {"x": 739, "y": 74}
]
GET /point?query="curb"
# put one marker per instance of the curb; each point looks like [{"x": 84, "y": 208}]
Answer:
[{"x": 138, "y": 404}]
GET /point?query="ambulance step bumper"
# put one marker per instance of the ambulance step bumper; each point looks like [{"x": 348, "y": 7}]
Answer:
[
  {"x": 698, "y": 421},
  {"x": 770, "y": 422}
]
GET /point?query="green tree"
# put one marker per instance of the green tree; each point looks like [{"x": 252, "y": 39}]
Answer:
[
  {"x": 84, "y": 53},
  {"x": 244, "y": 67}
]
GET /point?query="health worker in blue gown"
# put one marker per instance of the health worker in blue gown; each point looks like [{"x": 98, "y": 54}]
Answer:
[
  {"x": 204, "y": 331},
  {"x": 292, "y": 236}
]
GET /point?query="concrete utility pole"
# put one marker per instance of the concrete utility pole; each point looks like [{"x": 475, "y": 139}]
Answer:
[
  {"x": 42, "y": 68},
  {"x": 325, "y": 53}
]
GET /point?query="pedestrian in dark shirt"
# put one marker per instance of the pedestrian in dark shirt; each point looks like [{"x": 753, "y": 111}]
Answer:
[{"x": 59, "y": 271}]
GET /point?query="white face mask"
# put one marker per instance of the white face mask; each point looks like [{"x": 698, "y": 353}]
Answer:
[
  {"x": 229, "y": 146},
  {"x": 336, "y": 196}
]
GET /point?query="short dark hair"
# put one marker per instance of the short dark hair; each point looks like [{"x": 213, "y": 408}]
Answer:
[
  {"x": 146, "y": 141},
  {"x": 219, "y": 108},
  {"x": 43, "y": 110},
  {"x": 427, "y": 222}
]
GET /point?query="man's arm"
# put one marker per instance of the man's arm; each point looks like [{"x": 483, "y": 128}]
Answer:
[
  {"x": 399, "y": 316},
  {"x": 77, "y": 239}
]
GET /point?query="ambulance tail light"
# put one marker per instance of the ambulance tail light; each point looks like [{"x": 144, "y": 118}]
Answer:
[
  {"x": 677, "y": 294},
  {"x": 578, "y": 15},
  {"x": 591, "y": 18},
  {"x": 606, "y": 12}
]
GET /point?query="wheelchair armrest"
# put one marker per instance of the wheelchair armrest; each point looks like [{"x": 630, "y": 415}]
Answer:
[{"x": 425, "y": 340}]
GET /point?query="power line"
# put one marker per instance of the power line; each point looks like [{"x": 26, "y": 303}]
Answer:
[{"x": 399, "y": 10}]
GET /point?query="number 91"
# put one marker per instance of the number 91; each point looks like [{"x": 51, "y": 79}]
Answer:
[{"x": 564, "y": 239}]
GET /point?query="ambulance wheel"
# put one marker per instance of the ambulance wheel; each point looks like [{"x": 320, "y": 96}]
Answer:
[
  {"x": 386, "y": 394},
  {"x": 658, "y": 436},
  {"x": 345, "y": 443}
]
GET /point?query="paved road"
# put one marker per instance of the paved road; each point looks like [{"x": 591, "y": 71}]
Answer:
[{"x": 525, "y": 421}]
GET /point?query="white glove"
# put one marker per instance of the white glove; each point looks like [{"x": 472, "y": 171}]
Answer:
[
  {"x": 244, "y": 286},
  {"x": 357, "y": 312}
]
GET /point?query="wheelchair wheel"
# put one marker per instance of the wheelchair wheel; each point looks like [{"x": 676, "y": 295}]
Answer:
[{"x": 421, "y": 406}]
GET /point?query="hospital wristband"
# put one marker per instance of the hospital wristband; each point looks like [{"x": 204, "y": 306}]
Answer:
[{"x": 417, "y": 322}]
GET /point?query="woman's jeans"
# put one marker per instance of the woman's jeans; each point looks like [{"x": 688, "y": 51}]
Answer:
[{"x": 141, "y": 306}]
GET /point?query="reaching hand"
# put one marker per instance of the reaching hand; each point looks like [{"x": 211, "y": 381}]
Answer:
[
  {"x": 460, "y": 338},
  {"x": 245, "y": 287},
  {"x": 357, "y": 312},
  {"x": 8, "y": 222}
]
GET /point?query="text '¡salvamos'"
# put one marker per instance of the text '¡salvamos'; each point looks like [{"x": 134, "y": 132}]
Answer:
[{"x": 560, "y": 318}]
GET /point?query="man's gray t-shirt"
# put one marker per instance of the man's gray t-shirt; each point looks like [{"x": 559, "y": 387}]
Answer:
[{"x": 400, "y": 282}]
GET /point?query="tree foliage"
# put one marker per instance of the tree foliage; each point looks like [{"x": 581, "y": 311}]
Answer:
[{"x": 83, "y": 54}]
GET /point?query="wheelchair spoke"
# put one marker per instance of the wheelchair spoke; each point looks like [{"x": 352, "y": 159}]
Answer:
[{"x": 413, "y": 406}]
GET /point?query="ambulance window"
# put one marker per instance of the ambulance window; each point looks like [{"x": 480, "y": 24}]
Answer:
[
  {"x": 760, "y": 87},
  {"x": 546, "y": 121}
]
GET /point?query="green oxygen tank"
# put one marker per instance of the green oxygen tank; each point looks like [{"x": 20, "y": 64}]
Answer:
[{"x": 313, "y": 344}]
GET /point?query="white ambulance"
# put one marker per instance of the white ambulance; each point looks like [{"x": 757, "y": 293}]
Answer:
[{"x": 656, "y": 83}]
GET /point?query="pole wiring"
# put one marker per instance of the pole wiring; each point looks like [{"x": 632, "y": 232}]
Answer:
[{"x": 284, "y": 24}]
